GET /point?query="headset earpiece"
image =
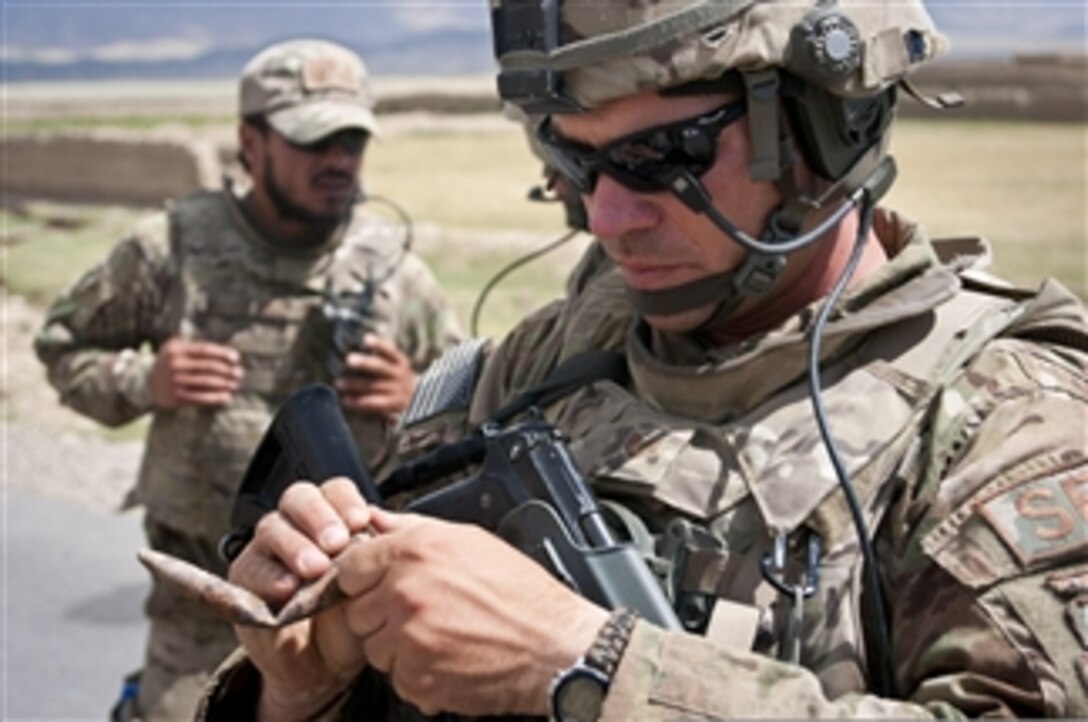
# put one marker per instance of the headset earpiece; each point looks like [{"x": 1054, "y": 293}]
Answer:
[{"x": 834, "y": 132}]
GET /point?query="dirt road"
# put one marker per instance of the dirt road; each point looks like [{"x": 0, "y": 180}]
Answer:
[{"x": 48, "y": 449}]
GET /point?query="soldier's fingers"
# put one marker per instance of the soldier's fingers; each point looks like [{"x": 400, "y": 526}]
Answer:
[
  {"x": 354, "y": 384},
  {"x": 387, "y": 522},
  {"x": 314, "y": 515},
  {"x": 262, "y": 574},
  {"x": 341, "y": 649},
  {"x": 376, "y": 404},
  {"x": 348, "y": 502},
  {"x": 213, "y": 351},
  {"x": 212, "y": 368},
  {"x": 202, "y": 398},
  {"x": 384, "y": 348},
  {"x": 386, "y": 396},
  {"x": 278, "y": 538},
  {"x": 367, "y": 365},
  {"x": 380, "y": 648},
  {"x": 362, "y": 567},
  {"x": 363, "y": 617},
  {"x": 204, "y": 381}
]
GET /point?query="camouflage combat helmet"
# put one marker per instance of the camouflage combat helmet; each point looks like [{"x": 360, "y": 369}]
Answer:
[
  {"x": 823, "y": 72},
  {"x": 560, "y": 56}
]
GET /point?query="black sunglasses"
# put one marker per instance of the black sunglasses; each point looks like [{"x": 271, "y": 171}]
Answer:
[
  {"x": 645, "y": 161},
  {"x": 351, "y": 140}
]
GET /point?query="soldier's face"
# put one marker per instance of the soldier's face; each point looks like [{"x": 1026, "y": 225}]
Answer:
[
  {"x": 313, "y": 185},
  {"x": 658, "y": 242}
]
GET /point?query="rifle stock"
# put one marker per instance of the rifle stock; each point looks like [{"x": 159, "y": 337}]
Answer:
[
  {"x": 524, "y": 487},
  {"x": 308, "y": 439}
]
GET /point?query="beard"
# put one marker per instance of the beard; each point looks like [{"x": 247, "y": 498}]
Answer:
[{"x": 288, "y": 209}]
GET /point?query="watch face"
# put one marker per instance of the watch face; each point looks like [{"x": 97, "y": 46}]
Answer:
[{"x": 580, "y": 696}]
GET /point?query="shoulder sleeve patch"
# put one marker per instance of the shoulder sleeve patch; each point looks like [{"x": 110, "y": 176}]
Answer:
[{"x": 1042, "y": 519}]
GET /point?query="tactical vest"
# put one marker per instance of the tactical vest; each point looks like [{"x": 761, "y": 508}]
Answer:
[
  {"x": 230, "y": 287},
  {"x": 712, "y": 494},
  {"x": 711, "y": 502}
]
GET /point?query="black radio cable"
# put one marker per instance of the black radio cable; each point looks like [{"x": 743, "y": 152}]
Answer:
[
  {"x": 510, "y": 268},
  {"x": 882, "y": 658}
]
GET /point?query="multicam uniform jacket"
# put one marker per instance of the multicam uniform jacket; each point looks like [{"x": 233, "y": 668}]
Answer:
[
  {"x": 202, "y": 271},
  {"x": 959, "y": 407}
]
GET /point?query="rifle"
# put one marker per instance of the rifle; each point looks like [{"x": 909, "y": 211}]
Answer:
[{"x": 525, "y": 488}]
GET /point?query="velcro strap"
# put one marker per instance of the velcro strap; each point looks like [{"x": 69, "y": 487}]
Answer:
[
  {"x": 447, "y": 384},
  {"x": 762, "y": 90}
]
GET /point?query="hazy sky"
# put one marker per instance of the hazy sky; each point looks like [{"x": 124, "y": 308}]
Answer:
[{"x": 66, "y": 30}]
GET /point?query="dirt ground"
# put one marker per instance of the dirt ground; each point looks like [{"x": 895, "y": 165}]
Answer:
[{"x": 44, "y": 445}]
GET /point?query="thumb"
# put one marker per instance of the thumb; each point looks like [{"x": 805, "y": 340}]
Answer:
[
  {"x": 387, "y": 522},
  {"x": 362, "y": 566}
]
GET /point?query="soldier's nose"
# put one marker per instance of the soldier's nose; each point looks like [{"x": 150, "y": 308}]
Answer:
[{"x": 614, "y": 210}]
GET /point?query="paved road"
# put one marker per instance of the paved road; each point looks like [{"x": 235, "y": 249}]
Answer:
[{"x": 70, "y": 607}]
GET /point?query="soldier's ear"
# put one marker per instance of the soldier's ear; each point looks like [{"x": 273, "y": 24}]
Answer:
[{"x": 250, "y": 139}]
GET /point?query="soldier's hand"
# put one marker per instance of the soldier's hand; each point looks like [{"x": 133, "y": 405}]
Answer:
[
  {"x": 460, "y": 620},
  {"x": 377, "y": 381},
  {"x": 194, "y": 373},
  {"x": 307, "y": 664}
]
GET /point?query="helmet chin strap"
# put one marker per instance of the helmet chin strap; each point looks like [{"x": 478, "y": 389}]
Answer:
[
  {"x": 764, "y": 262},
  {"x": 766, "y": 257}
]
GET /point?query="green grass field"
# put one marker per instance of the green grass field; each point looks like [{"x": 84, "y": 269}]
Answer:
[{"x": 1020, "y": 185}]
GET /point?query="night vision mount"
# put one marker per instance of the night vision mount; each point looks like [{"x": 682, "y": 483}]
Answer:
[{"x": 529, "y": 29}]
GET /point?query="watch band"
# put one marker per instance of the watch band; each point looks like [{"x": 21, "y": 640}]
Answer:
[
  {"x": 607, "y": 649},
  {"x": 577, "y": 693}
]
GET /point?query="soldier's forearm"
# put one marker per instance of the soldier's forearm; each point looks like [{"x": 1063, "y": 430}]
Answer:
[{"x": 109, "y": 387}]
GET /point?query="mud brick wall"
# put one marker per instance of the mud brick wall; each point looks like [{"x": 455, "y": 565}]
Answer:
[
  {"x": 1038, "y": 88},
  {"x": 107, "y": 167},
  {"x": 145, "y": 168}
]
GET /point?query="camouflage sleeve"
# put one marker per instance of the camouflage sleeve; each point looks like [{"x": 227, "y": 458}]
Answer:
[
  {"x": 986, "y": 556},
  {"x": 234, "y": 689},
  {"x": 667, "y": 676},
  {"x": 427, "y": 324},
  {"x": 91, "y": 341},
  {"x": 991, "y": 579}
]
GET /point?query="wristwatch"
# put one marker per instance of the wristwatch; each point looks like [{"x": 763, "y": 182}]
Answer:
[{"x": 577, "y": 693}]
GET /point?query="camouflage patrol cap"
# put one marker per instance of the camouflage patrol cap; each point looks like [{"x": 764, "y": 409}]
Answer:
[
  {"x": 307, "y": 89},
  {"x": 606, "y": 49}
]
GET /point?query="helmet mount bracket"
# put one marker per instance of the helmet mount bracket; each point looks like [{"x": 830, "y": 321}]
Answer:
[{"x": 530, "y": 28}]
